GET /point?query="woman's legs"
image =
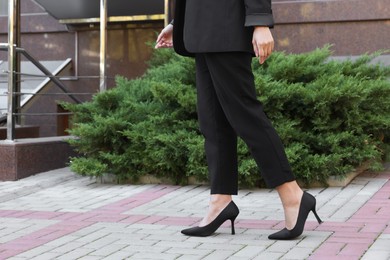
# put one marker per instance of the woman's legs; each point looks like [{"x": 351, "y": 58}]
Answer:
[
  {"x": 233, "y": 82},
  {"x": 227, "y": 107}
]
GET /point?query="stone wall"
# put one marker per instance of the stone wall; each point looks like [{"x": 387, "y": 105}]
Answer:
[
  {"x": 354, "y": 27},
  {"x": 27, "y": 157}
]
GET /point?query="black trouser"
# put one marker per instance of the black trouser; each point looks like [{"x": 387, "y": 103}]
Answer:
[{"x": 227, "y": 108}]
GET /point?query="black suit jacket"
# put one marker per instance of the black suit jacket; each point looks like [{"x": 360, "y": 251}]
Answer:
[{"x": 202, "y": 26}]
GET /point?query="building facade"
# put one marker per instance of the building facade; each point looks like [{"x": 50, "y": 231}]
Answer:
[{"x": 353, "y": 27}]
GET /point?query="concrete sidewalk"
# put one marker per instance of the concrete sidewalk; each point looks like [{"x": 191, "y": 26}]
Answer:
[{"x": 59, "y": 215}]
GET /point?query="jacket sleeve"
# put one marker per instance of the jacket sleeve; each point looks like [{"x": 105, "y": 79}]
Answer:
[{"x": 258, "y": 13}]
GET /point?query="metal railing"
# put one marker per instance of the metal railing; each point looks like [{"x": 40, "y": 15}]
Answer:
[
  {"x": 43, "y": 69},
  {"x": 14, "y": 111}
]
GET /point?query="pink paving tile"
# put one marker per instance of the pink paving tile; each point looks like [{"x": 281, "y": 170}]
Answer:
[
  {"x": 20, "y": 245},
  {"x": 328, "y": 249},
  {"x": 370, "y": 220},
  {"x": 387, "y": 230},
  {"x": 110, "y": 210},
  {"x": 151, "y": 220},
  {"x": 83, "y": 217},
  {"x": 363, "y": 240},
  {"x": 9, "y": 253},
  {"x": 369, "y": 209},
  {"x": 383, "y": 212},
  {"x": 19, "y": 214},
  {"x": 5, "y": 213},
  {"x": 137, "y": 199},
  {"x": 280, "y": 225},
  {"x": 319, "y": 258},
  {"x": 343, "y": 257},
  {"x": 367, "y": 220},
  {"x": 43, "y": 215},
  {"x": 355, "y": 235},
  {"x": 382, "y": 196},
  {"x": 373, "y": 228},
  {"x": 107, "y": 218},
  {"x": 312, "y": 225},
  {"x": 331, "y": 228},
  {"x": 54, "y": 235},
  {"x": 259, "y": 224},
  {"x": 330, "y": 224},
  {"x": 39, "y": 238},
  {"x": 133, "y": 218},
  {"x": 67, "y": 215},
  {"x": 356, "y": 250}
]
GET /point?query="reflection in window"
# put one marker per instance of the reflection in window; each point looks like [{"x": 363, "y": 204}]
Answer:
[{"x": 3, "y": 7}]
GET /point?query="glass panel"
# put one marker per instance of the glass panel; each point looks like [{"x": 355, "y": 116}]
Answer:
[{"x": 3, "y": 7}]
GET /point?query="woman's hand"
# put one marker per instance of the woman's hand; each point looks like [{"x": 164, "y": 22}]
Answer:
[
  {"x": 263, "y": 43},
  {"x": 164, "y": 40}
]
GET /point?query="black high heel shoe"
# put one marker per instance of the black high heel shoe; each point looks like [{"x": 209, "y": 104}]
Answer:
[
  {"x": 308, "y": 203},
  {"x": 230, "y": 212}
]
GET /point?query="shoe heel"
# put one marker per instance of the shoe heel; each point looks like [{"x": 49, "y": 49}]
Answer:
[
  {"x": 317, "y": 217},
  {"x": 233, "y": 230}
]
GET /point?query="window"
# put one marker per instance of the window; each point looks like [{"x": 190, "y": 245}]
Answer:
[{"x": 3, "y": 7}]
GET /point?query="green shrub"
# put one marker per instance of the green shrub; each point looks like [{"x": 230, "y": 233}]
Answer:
[{"x": 331, "y": 115}]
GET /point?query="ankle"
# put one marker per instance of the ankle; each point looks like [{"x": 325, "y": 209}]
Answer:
[
  {"x": 220, "y": 198},
  {"x": 290, "y": 194}
]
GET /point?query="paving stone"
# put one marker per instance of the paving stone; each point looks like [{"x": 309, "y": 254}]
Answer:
[
  {"x": 138, "y": 242},
  {"x": 227, "y": 246},
  {"x": 219, "y": 255},
  {"x": 282, "y": 246},
  {"x": 154, "y": 256},
  {"x": 377, "y": 255},
  {"x": 91, "y": 257},
  {"x": 298, "y": 253},
  {"x": 75, "y": 254},
  {"x": 268, "y": 256},
  {"x": 101, "y": 242},
  {"x": 249, "y": 251},
  {"x": 146, "y": 248},
  {"x": 67, "y": 247},
  {"x": 185, "y": 244},
  {"x": 62, "y": 241},
  {"x": 91, "y": 237},
  {"x": 36, "y": 251},
  {"x": 190, "y": 257},
  {"x": 188, "y": 251},
  {"x": 46, "y": 256},
  {"x": 144, "y": 222},
  {"x": 252, "y": 242},
  {"x": 118, "y": 255},
  {"x": 108, "y": 250}
]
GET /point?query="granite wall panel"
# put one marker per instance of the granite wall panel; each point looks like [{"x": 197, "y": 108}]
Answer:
[
  {"x": 27, "y": 157},
  {"x": 7, "y": 162}
]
